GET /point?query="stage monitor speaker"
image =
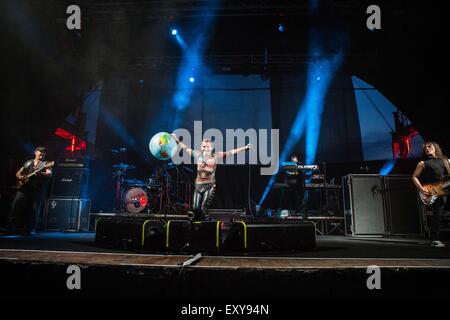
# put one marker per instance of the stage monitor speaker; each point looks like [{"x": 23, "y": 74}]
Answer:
[
  {"x": 403, "y": 206},
  {"x": 184, "y": 235},
  {"x": 130, "y": 233},
  {"x": 364, "y": 209},
  {"x": 66, "y": 214},
  {"x": 69, "y": 182},
  {"x": 270, "y": 237}
]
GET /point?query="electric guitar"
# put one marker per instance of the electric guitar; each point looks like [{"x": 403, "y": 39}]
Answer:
[
  {"x": 22, "y": 182},
  {"x": 436, "y": 190}
]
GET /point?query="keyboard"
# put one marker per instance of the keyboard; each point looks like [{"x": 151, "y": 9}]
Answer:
[{"x": 294, "y": 166}]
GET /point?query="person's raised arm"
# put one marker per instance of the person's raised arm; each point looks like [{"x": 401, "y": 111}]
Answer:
[
  {"x": 182, "y": 145},
  {"x": 234, "y": 151}
]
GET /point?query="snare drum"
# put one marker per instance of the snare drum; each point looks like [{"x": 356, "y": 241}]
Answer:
[{"x": 135, "y": 200}]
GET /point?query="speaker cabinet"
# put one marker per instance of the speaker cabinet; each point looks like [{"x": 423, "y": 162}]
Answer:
[
  {"x": 130, "y": 233},
  {"x": 364, "y": 209},
  {"x": 66, "y": 214},
  {"x": 376, "y": 205},
  {"x": 403, "y": 206},
  {"x": 69, "y": 182},
  {"x": 270, "y": 237},
  {"x": 199, "y": 236}
]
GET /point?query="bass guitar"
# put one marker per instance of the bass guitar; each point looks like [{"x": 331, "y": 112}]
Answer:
[
  {"x": 24, "y": 181},
  {"x": 438, "y": 189}
]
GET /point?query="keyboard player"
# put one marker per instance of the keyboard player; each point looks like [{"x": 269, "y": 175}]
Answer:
[{"x": 296, "y": 179}]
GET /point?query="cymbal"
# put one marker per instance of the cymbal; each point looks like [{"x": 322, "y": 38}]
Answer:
[
  {"x": 124, "y": 166},
  {"x": 134, "y": 183},
  {"x": 169, "y": 166}
]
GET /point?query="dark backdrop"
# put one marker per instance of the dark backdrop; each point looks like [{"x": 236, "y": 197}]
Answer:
[{"x": 46, "y": 69}]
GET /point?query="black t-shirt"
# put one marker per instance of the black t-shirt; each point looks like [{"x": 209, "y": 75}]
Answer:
[
  {"x": 35, "y": 182},
  {"x": 434, "y": 170}
]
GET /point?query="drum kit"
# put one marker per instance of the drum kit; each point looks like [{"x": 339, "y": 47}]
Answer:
[{"x": 167, "y": 190}]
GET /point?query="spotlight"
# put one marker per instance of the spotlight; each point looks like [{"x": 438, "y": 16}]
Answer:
[
  {"x": 191, "y": 79},
  {"x": 318, "y": 78},
  {"x": 281, "y": 27},
  {"x": 174, "y": 32}
]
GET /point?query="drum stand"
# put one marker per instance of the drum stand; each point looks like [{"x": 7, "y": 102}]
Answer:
[{"x": 119, "y": 175}]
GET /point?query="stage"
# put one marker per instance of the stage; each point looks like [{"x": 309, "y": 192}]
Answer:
[
  {"x": 224, "y": 152},
  {"x": 336, "y": 269}
]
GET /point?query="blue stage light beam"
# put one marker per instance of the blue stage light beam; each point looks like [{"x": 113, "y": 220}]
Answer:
[
  {"x": 181, "y": 42},
  {"x": 117, "y": 127},
  {"x": 321, "y": 73},
  {"x": 177, "y": 35},
  {"x": 309, "y": 117},
  {"x": 387, "y": 167},
  {"x": 191, "y": 64},
  {"x": 295, "y": 134}
]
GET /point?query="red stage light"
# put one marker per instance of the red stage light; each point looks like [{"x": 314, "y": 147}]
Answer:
[{"x": 75, "y": 144}]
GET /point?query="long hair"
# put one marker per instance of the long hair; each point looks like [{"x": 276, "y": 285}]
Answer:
[{"x": 438, "y": 152}]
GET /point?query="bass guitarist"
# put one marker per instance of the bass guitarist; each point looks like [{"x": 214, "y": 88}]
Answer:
[
  {"x": 27, "y": 204},
  {"x": 432, "y": 169}
]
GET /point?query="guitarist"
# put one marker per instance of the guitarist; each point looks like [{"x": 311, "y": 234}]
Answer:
[
  {"x": 27, "y": 204},
  {"x": 432, "y": 169}
]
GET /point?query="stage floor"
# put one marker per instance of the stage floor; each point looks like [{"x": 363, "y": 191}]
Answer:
[
  {"x": 328, "y": 247},
  {"x": 37, "y": 266}
]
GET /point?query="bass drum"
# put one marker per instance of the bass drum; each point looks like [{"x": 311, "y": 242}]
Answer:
[{"x": 135, "y": 200}]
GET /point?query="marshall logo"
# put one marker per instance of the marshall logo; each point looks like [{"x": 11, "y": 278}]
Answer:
[{"x": 66, "y": 180}]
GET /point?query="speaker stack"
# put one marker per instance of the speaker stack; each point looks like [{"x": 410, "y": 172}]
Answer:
[
  {"x": 68, "y": 208},
  {"x": 376, "y": 205}
]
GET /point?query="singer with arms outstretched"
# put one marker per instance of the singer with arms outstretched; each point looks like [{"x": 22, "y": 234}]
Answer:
[{"x": 205, "y": 183}]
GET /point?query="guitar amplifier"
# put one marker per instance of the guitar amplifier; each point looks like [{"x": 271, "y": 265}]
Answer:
[
  {"x": 66, "y": 214},
  {"x": 364, "y": 205},
  {"x": 376, "y": 205},
  {"x": 73, "y": 162},
  {"x": 403, "y": 207},
  {"x": 69, "y": 182}
]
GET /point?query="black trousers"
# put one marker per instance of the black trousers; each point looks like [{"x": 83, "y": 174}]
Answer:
[
  {"x": 26, "y": 210},
  {"x": 436, "y": 217},
  {"x": 203, "y": 195}
]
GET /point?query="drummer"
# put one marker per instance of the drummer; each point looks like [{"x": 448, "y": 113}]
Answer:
[{"x": 205, "y": 183}]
